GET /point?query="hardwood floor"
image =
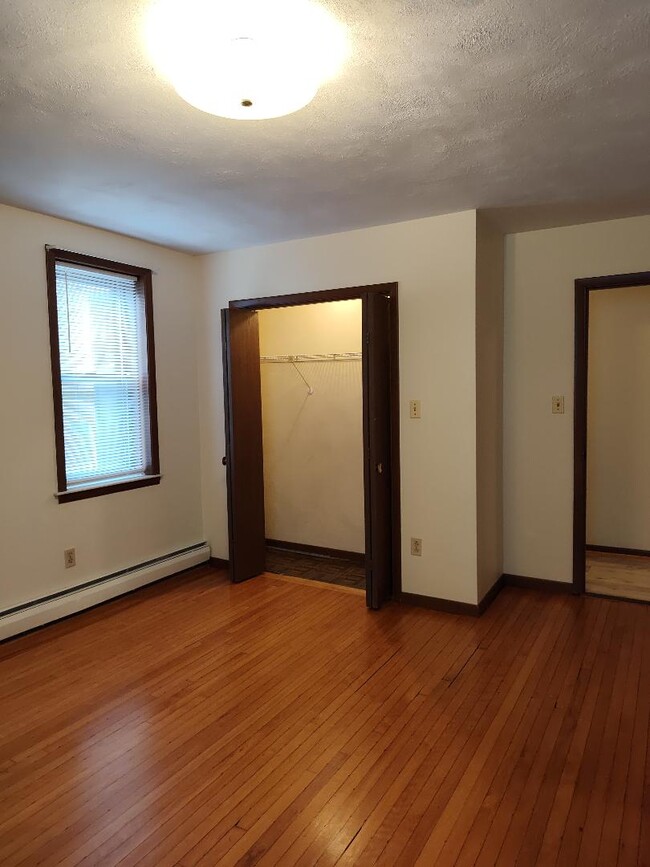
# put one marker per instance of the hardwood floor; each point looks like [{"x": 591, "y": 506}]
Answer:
[
  {"x": 280, "y": 722},
  {"x": 620, "y": 575}
]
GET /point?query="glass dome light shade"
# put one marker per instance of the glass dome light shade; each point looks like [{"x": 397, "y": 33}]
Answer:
[{"x": 248, "y": 60}]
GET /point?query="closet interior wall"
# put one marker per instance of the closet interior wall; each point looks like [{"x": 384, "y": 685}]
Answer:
[{"x": 312, "y": 415}]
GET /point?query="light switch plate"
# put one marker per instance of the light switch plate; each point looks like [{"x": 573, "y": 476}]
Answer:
[
  {"x": 414, "y": 409},
  {"x": 558, "y": 404}
]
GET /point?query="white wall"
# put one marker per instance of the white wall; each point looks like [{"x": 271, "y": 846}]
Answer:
[
  {"x": 437, "y": 263},
  {"x": 434, "y": 262},
  {"x": 618, "y": 430},
  {"x": 110, "y": 532},
  {"x": 539, "y": 344},
  {"x": 313, "y": 444}
]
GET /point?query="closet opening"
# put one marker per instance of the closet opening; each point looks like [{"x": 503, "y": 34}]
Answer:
[
  {"x": 312, "y": 438},
  {"x": 312, "y": 434}
]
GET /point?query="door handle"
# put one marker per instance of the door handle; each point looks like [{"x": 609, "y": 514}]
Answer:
[
  {"x": 223, "y": 460},
  {"x": 380, "y": 468}
]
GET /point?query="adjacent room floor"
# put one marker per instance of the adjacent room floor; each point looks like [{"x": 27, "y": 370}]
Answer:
[
  {"x": 621, "y": 575},
  {"x": 331, "y": 570},
  {"x": 280, "y": 722}
]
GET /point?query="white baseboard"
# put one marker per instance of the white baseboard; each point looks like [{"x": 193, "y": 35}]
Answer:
[{"x": 76, "y": 600}]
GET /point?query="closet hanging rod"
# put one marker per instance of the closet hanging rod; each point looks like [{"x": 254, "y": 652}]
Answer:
[{"x": 292, "y": 359}]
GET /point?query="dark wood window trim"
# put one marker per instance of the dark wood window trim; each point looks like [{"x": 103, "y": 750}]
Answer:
[{"x": 143, "y": 275}]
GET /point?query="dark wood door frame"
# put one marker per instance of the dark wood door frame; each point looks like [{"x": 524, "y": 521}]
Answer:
[
  {"x": 583, "y": 286},
  {"x": 352, "y": 293}
]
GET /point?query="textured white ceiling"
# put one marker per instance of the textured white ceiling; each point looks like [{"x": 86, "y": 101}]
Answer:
[{"x": 444, "y": 105}]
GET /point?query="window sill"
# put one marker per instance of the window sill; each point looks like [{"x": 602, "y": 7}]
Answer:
[{"x": 106, "y": 488}]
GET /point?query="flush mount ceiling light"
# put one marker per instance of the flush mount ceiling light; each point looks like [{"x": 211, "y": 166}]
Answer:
[{"x": 245, "y": 59}]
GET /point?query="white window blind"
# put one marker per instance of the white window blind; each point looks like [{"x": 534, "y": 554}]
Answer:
[{"x": 104, "y": 376}]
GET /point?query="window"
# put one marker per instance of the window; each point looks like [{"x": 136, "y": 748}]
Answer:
[{"x": 103, "y": 374}]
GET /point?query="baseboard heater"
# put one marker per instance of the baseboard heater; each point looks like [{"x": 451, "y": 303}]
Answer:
[{"x": 50, "y": 608}]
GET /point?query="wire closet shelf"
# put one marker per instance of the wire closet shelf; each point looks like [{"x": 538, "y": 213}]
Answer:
[{"x": 293, "y": 359}]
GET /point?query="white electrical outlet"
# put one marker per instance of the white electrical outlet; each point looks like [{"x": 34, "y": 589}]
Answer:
[
  {"x": 414, "y": 409},
  {"x": 70, "y": 558},
  {"x": 416, "y": 547}
]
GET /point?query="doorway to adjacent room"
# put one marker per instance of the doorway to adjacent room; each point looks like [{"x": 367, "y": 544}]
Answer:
[{"x": 612, "y": 437}]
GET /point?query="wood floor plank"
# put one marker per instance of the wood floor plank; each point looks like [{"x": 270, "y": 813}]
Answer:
[
  {"x": 612, "y": 747},
  {"x": 536, "y": 654},
  {"x": 625, "y": 576},
  {"x": 208, "y": 804},
  {"x": 182, "y": 765},
  {"x": 621, "y": 751},
  {"x": 280, "y": 722},
  {"x": 596, "y": 758},
  {"x": 221, "y": 813},
  {"x": 435, "y": 726},
  {"x": 450, "y": 754},
  {"x": 356, "y": 726},
  {"x": 181, "y": 758},
  {"x": 519, "y": 815},
  {"x": 520, "y": 741},
  {"x": 562, "y": 777},
  {"x": 385, "y": 833}
]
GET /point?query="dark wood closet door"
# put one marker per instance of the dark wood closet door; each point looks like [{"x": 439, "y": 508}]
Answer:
[
  {"x": 244, "y": 454},
  {"x": 377, "y": 446}
]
